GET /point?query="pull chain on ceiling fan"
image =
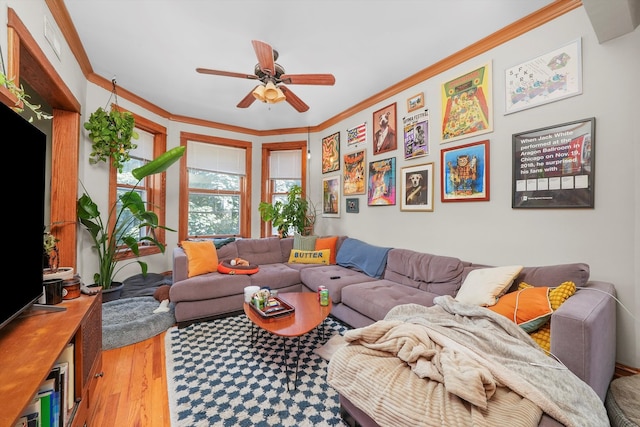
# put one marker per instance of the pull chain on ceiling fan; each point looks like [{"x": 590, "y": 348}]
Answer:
[{"x": 273, "y": 78}]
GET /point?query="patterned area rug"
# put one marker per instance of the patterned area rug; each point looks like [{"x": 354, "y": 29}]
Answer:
[{"x": 216, "y": 377}]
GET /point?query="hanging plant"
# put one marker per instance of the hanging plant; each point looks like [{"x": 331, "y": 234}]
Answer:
[{"x": 111, "y": 134}]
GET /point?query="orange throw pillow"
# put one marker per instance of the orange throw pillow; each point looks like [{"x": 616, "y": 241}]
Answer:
[
  {"x": 529, "y": 308},
  {"x": 328, "y": 243},
  {"x": 202, "y": 257}
]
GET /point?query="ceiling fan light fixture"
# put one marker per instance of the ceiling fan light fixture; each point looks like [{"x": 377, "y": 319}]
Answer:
[
  {"x": 258, "y": 93},
  {"x": 273, "y": 94}
]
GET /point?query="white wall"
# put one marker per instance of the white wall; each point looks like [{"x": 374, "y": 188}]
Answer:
[
  {"x": 606, "y": 237},
  {"x": 491, "y": 232}
]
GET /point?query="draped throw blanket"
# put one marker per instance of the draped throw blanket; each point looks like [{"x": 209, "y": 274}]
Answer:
[
  {"x": 456, "y": 364},
  {"x": 367, "y": 258}
]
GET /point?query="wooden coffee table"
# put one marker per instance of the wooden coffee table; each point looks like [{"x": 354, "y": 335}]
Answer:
[{"x": 308, "y": 315}]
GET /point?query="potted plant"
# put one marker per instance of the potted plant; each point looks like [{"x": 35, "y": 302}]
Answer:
[
  {"x": 111, "y": 236},
  {"x": 111, "y": 134},
  {"x": 296, "y": 212}
]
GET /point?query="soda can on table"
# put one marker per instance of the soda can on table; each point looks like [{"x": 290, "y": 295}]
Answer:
[
  {"x": 320, "y": 288},
  {"x": 324, "y": 297}
]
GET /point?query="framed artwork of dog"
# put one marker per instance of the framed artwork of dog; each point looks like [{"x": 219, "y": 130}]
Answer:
[
  {"x": 465, "y": 173},
  {"x": 385, "y": 137},
  {"x": 416, "y": 193}
]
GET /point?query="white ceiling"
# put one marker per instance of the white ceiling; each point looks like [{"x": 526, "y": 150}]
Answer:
[{"x": 152, "y": 48}]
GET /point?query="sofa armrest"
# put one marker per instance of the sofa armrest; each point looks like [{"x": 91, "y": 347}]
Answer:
[
  {"x": 180, "y": 265},
  {"x": 583, "y": 334}
]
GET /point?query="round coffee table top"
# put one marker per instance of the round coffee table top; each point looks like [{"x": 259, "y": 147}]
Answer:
[{"x": 308, "y": 315}]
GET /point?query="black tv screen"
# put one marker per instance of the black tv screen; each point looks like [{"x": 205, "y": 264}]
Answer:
[{"x": 23, "y": 196}]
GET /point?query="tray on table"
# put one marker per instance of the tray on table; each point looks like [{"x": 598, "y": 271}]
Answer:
[{"x": 270, "y": 311}]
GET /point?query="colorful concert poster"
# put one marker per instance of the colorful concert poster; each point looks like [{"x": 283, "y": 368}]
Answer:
[{"x": 466, "y": 105}]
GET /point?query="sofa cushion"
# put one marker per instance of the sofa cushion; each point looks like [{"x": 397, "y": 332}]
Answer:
[
  {"x": 208, "y": 286},
  {"x": 554, "y": 275},
  {"x": 484, "y": 286},
  {"x": 322, "y": 275},
  {"x": 528, "y": 307},
  {"x": 260, "y": 251},
  {"x": 304, "y": 243},
  {"x": 201, "y": 257},
  {"x": 433, "y": 273},
  {"x": 328, "y": 243},
  {"x": 375, "y": 298},
  {"x": 275, "y": 276},
  {"x": 309, "y": 257}
]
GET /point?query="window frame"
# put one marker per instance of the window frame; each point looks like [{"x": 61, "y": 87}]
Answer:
[
  {"x": 155, "y": 186},
  {"x": 245, "y": 190},
  {"x": 266, "y": 194}
]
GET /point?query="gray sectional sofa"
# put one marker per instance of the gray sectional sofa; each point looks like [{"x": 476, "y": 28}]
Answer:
[{"x": 584, "y": 327}]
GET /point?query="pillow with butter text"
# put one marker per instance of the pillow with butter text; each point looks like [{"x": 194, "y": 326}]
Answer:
[
  {"x": 309, "y": 257},
  {"x": 202, "y": 257}
]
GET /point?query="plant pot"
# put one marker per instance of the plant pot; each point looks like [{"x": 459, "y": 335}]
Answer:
[{"x": 111, "y": 294}]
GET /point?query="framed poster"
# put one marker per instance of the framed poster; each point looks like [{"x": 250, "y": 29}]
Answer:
[
  {"x": 353, "y": 205},
  {"x": 357, "y": 135},
  {"x": 415, "y": 102},
  {"x": 382, "y": 182},
  {"x": 331, "y": 197},
  {"x": 466, "y": 105},
  {"x": 417, "y": 188},
  {"x": 384, "y": 130},
  {"x": 547, "y": 78},
  {"x": 554, "y": 167},
  {"x": 354, "y": 176},
  {"x": 331, "y": 153},
  {"x": 465, "y": 173},
  {"x": 416, "y": 135}
]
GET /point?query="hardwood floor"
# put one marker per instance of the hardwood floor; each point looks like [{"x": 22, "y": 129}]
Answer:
[{"x": 133, "y": 390}]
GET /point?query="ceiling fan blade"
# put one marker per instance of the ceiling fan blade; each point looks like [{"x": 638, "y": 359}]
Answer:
[
  {"x": 292, "y": 99},
  {"x": 226, "y": 73},
  {"x": 264, "y": 52},
  {"x": 308, "y": 79},
  {"x": 247, "y": 100}
]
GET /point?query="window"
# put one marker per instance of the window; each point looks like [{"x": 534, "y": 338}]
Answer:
[
  {"x": 217, "y": 202},
  {"x": 150, "y": 144},
  {"x": 285, "y": 166}
]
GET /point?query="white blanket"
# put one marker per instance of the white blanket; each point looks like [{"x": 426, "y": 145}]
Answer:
[{"x": 460, "y": 364}]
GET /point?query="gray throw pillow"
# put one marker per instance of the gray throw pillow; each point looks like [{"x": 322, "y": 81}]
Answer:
[{"x": 304, "y": 243}]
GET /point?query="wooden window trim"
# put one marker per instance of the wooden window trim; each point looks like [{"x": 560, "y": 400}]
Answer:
[
  {"x": 245, "y": 190},
  {"x": 156, "y": 191},
  {"x": 266, "y": 190}
]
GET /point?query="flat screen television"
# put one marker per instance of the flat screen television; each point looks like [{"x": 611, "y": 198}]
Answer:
[{"x": 23, "y": 195}]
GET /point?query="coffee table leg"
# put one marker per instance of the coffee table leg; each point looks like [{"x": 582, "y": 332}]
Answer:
[
  {"x": 286, "y": 362},
  {"x": 295, "y": 383}
]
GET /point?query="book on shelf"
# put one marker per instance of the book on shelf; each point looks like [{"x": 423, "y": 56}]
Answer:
[
  {"x": 30, "y": 415},
  {"x": 68, "y": 357},
  {"x": 64, "y": 389}
]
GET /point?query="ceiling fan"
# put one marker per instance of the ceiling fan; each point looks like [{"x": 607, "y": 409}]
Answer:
[{"x": 273, "y": 78}]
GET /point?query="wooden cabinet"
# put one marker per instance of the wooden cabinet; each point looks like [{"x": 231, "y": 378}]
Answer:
[{"x": 31, "y": 344}]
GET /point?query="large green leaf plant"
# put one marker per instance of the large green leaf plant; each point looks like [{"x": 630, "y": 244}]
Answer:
[{"x": 111, "y": 236}]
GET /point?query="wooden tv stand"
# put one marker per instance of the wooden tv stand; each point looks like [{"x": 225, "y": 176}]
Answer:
[{"x": 31, "y": 344}]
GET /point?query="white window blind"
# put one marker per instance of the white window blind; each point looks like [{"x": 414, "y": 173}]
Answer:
[
  {"x": 285, "y": 164},
  {"x": 145, "y": 145},
  {"x": 215, "y": 158}
]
